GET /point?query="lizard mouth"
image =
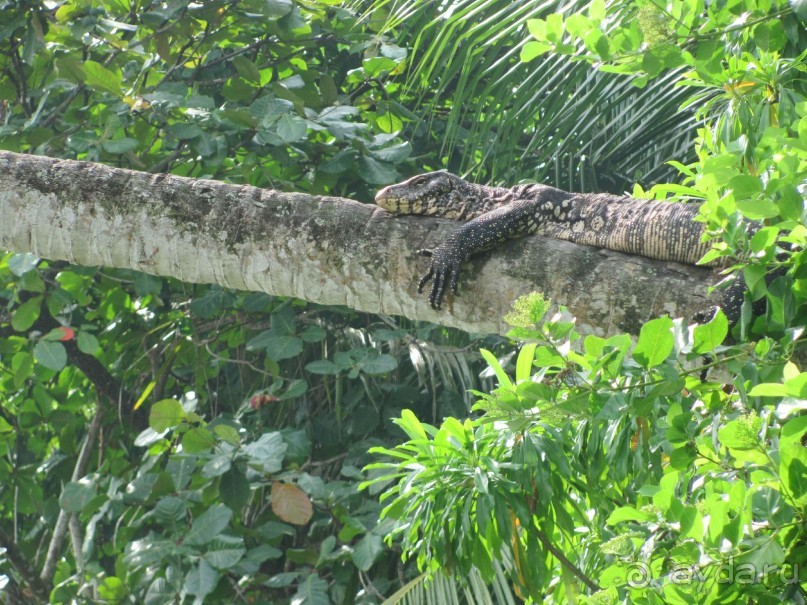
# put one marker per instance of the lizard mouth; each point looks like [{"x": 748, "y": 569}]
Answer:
[{"x": 386, "y": 200}]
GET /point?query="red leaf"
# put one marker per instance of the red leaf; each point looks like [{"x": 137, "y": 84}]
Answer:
[
  {"x": 67, "y": 333},
  {"x": 291, "y": 504}
]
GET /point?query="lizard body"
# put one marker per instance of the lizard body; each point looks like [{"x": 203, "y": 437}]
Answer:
[{"x": 661, "y": 230}]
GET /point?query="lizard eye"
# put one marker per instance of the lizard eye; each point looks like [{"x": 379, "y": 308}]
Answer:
[{"x": 420, "y": 180}]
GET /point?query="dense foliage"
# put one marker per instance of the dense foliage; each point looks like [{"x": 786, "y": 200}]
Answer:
[
  {"x": 167, "y": 442},
  {"x": 674, "y": 471}
]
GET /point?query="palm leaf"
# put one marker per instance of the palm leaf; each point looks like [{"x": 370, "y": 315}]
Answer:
[
  {"x": 553, "y": 120},
  {"x": 439, "y": 588}
]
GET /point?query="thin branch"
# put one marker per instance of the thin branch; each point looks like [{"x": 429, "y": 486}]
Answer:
[
  {"x": 544, "y": 539},
  {"x": 60, "y": 530}
]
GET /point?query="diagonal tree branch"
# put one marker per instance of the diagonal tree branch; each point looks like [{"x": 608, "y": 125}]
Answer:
[{"x": 322, "y": 249}]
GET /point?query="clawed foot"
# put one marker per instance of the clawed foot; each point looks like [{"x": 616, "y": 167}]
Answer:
[{"x": 444, "y": 270}]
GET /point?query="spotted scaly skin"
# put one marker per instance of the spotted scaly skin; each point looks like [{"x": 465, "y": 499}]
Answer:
[{"x": 660, "y": 230}]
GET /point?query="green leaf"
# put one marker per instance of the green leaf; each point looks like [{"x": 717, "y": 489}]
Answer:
[
  {"x": 554, "y": 27},
  {"x": 758, "y": 209},
  {"x": 22, "y": 364},
  {"x": 121, "y": 145},
  {"x": 76, "y": 495},
  {"x": 524, "y": 361},
  {"x": 99, "y": 77},
  {"x": 490, "y": 358},
  {"x": 793, "y": 471},
  {"x": 291, "y": 128},
  {"x": 627, "y": 513},
  {"x": 537, "y": 28},
  {"x": 275, "y": 9},
  {"x": 740, "y": 434},
  {"x": 367, "y": 551},
  {"x": 382, "y": 364},
  {"x": 322, "y": 366},
  {"x": 22, "y": 263},
  {"x": 170, "y": 511},
  {"x": 165, "y": 414},
  {"x": 208, "y": 526},
  {"x": 655, "y": 342},
  {"x": 376, "y": 172},
  {"x": 197, "y": 440},
  {"x": 26, "y": 314},
  {"x": 217, "y": 466},
  {"x": 283, "y": 347},
  {"x": 313, "y": 591},
  {"x": 769, "y": 389},
  {"x": 234, "y": 488},
  {"x": 50, "y": 354},
  {"x": 534, "y": 49},
  {"x": 764, "y": 238},
  {"x": 201, "y": 580},
  {"x": 224, "y": 554},
  {"x": 87, "y": 343},
  {"x": 709, "y": 336}
]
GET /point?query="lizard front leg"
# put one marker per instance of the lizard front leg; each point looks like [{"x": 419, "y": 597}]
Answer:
[{"x": 485, "y": 232}]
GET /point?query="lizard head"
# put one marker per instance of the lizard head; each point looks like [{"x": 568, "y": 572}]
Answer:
[{"x": 434, "y": 194}]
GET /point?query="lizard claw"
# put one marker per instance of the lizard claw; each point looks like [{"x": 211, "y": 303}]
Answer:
[{"x": 444, "y": 271}]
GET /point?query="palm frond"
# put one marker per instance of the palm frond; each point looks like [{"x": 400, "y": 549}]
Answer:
[
  {"x": 554, "y": 120},
  {"x": 427, "y": 589}
]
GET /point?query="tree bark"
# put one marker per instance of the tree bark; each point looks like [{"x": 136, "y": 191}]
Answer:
[{"x": 325, "y": 250}]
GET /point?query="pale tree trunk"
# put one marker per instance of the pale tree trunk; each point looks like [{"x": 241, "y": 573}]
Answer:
[{"x": 326, "y": 250}]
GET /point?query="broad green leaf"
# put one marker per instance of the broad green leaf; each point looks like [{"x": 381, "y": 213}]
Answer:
[
  {"x": 170, "y": 511},
  {"x": 165, "y": 414},
  {"x": 709, "y": 336},
  {"x": 197, "y": 440},
  {"x": 267, "y": 452},
  {"x": 291, "y": 128},
  {"x": 793, "y": 471},
  {"x": 537, "y": 28},
  {"x": 283, "y": 347},
  {"x": 22, "y": 364},
  {"x": 554, "y": 27},
  {"x": 26, "y": 314},
  {"x": 758, "y": 210},
  {"x": 208, "y": 525},
  {"x": 534, "y": 49},
  {"x": 87, "y": 343},
  {"x": 769, "y": 389},
  {"x": 322, "y": 366},
  {"x": 382, "y": 364},
  {"x": 741, "y": 434},
  {"x": 76, "y": 495},
  {"x": 112, "y": 590},
  {"x": 367, "y": 551},
  {"x": 50, "y": 354},
  {"x": 120, "y": 146},
  {"x": 312, "y": 591},
  {"x": 655, "y": 342},
  {"x": 275, "y": 9},
  {"x": 224, "y": 554},
  {"x": 627, "y": 513},
  {"x": 216, "y": 466},
  {"x": 20, "y": 264},
  {"x": 376, "y": 172},
  {"x": 201, "y": 579},
  {"x": 234, "y": 488},
  {"x": 99, "y": 77}
]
